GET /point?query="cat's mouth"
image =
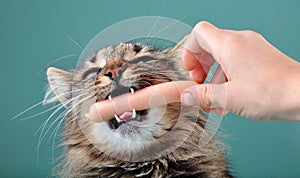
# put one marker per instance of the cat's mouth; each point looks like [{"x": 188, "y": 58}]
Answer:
[{"x": 128, "y": 116}]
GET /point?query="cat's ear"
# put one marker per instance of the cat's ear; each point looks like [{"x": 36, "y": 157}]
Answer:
[
  {"x": 60, "y": 82},
  {"x": 177, "y": 50}
]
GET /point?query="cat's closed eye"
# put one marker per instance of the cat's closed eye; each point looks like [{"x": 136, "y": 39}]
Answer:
[{"x": 92, "y": 72}]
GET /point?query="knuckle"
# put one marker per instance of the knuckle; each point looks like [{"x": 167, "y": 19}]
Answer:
[
  {"x": 201, "y": 25},
  {"x": 206, "y": 97},
  {"x": 251, "y": 34}
]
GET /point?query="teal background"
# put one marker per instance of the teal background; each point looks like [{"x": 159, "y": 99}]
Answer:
[{"x": 35, "y": 33}]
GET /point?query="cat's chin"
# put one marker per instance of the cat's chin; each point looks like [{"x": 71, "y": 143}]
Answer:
[{"x": 133, "y": 140}]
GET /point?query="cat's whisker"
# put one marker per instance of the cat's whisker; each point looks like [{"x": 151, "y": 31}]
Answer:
[
  {"x": 75, "y": 42},
  {"x": 59, "y": 108},
  {"x": 48, "y": 99},
  {"x": 45, "y": 123},
  {"x": 26, "y": 110},
  {"x": 80, "y": 102},
  {"x": 42, "y": 102},
  {"x": 54, "y": 130},
  {"x": 42, "y": 127},
  {"x": 54, "y": 138},
  {"x": 38, "y": 114},
  {"x": 57, "y": 128},
  {"x": 62, "y": 115}
]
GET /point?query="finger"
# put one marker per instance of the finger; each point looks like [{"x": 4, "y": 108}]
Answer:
[
  {"x": 142, "y": 99},
  {"x": 198, "y": 74},
  {"x": 198, "y": 71},
  {"x": 189, "y": 62},
  {"x": 191, "y": 44},
  {"x": 190, "y": 59},
  {"x": 205, "y": 37}
]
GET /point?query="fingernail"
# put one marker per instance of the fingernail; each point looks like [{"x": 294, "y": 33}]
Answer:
[{"x": 187, "y": 99}]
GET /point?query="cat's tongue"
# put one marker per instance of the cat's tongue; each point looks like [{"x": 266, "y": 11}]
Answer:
[{"x": 125, "y": 115}]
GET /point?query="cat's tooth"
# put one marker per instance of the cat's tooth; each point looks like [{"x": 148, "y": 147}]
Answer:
[
  {"x": 117, "y": 118},
  {"x": 132, "y": 90},
  {"x": 109, "y": 97},
  {"x": 133, "y": 114}
]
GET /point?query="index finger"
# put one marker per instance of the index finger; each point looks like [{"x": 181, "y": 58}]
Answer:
[
  {"x": 169, "y": 92},
  {"x": 205, "y": 37},
  {"x": 204, "y": 43}
]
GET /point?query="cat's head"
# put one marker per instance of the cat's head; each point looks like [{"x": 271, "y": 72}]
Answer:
[{"x": 112, "y": 71}]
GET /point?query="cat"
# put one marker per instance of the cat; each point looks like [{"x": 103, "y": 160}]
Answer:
[{"x": 156, "y": 142}]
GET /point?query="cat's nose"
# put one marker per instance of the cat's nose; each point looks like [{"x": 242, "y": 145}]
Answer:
[{"x": 113, "y": 73}]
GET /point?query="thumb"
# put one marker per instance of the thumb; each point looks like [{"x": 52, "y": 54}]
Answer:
[{"x": 205, "y": 95}]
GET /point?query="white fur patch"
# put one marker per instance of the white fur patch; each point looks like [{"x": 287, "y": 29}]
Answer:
[{"x": 130, "y": 137}]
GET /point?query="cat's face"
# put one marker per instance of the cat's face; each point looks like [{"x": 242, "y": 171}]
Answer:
[{"x": 113, "y": 71}]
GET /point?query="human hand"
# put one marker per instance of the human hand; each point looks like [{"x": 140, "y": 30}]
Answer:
[{"x": 254, "y": 79}]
